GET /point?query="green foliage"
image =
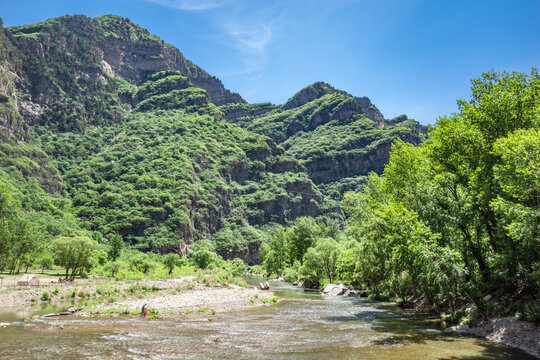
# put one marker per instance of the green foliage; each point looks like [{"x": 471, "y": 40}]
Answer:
[
  {"x": 287, "y": 249},
  {"x": 45, "y": 261},
  {"x": 168, "y": 177},
  {"x": 234, "y": 237},
  {"x": 204, "y": 258},
  {"x": 116, "y": 246},
  {"x": 20, "y": 241},
  {"x": 46, "y": 296},
  {"x": 327, "y": 128},
  {"x": 126, "y": 155},
  {"x": 170, "y": 261},
  {"x": 74, "y": 253},
  {"x": 458, "y": 217}
]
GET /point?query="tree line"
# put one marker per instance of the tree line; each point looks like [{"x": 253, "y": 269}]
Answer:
[{"x": 449, "y": 221}]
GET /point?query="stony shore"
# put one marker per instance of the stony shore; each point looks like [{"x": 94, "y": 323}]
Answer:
[
  {"x": 508, "y": 331},
  {"x": 173, "y": 296}
]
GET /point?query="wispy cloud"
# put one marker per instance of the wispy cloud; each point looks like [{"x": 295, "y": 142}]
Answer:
[
  {"x": 249, "y": 27},
  {"x": 191, "y": 5},
  {"x": 250, "y": 39}
]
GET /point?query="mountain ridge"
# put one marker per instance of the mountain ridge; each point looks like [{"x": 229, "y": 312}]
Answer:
[{"x": 145, "y": 145}]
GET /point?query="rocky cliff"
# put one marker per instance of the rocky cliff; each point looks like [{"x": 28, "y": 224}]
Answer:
[
  {"x": 74, "y": 58},
  {"x": 19, "y": 155}
]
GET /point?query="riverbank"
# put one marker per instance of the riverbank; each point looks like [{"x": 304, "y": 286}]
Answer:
[
  {"x": 508, "y": 331},
  {"x": 183, "y": 295}
]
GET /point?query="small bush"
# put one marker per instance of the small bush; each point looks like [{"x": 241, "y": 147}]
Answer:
[{"x": 46, "y": 296}]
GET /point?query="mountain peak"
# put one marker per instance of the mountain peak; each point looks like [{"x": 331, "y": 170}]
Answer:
[
  {"x": 107, "y": 46},
  {"x": 309, "y": 93}
]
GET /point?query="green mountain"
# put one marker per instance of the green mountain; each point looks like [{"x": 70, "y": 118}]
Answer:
[
  {"x": 120, "y": 126},
  {"x": 107, "y": 130},
  {"x": 339, "y": 138}
]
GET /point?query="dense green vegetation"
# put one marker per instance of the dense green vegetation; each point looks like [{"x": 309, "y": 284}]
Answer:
[
  {"x": 450, "y": 221},
  {"x": 134, "y": 171},
  {"x": 336, "y": 136},
  {"x": 151, "y": 163}
]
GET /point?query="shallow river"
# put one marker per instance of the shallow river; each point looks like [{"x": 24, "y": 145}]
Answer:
[{"x": 301, "y": 326}]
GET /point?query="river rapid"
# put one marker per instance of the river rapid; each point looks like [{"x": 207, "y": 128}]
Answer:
[{"x": 303, "y": 325}]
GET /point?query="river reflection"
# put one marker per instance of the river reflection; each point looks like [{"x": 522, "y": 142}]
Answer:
[{"x": 303, "y": 325}]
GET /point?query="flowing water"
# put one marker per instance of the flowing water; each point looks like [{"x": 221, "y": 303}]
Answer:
[{"x": 302, "y": 325}]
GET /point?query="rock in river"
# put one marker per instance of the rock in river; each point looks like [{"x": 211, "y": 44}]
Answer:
[{"x": 339, "y": 289}]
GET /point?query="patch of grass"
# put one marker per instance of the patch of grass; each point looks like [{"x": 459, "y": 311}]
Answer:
[
  {"x": 207, "y": 309},
  {"x": 238, "y": 281}
]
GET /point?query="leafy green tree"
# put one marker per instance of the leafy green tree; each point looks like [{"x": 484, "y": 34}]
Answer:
[
  {"x": 312, "y": 268},
  {"x": 300, "y": 237},
  {"x": 321, "y": 261},
  {"x": 458, "y": 216},
  {"x": 204, "y": 258},
  {"x": 20, "y": 241},
  {"x": 113, "y": 267},
  {"x": 276, "y": 256},
  {"x": 117, "y": 245},
  {"x": 74, "y": 253},
  {"x": 328, "y": 250},
  {"x": 45, "y": 261},
  {"x": 518, "y": 204},
  {"x": 170, "y": 261}
]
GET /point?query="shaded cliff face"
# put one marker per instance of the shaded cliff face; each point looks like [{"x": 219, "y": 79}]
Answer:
[{"x": 350, "y": 164}]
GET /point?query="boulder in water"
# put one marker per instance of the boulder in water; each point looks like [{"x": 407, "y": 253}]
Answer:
[
  {"x": 339, "y": 289},
  {"x": 264, "y": 285}
]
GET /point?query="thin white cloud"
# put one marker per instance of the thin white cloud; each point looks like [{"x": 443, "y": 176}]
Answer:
[
  {"x": 250, "y": 39},
  {"x": 191, "y": 5}
]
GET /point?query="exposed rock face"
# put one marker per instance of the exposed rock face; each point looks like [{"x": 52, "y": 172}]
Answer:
[
  {"x": 367, "y": 107},
  {"x": 249, "y": 254},
  {"x": 308, "y": 94},
  {"x": 14, "y": 130},
  {"x": 349, "y": 164},
  {"x": 100, "y": 49}
]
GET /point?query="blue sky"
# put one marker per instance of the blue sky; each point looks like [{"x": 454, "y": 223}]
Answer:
[{"x": 409, "y": 57}]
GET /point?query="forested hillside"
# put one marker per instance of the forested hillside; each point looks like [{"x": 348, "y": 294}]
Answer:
[
  {"x": 123, "y": 137},
  {"x": 339, "y": 138},
  {"x": 454, "y": 223},
  {"x": 110, "y": 137},
  {"x": 109, "y": 132}
]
